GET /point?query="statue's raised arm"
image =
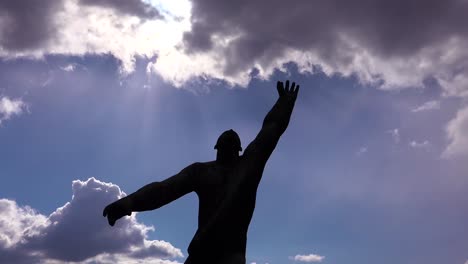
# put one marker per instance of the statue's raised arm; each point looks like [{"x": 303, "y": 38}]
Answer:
[{"x": 274, "y": 124}]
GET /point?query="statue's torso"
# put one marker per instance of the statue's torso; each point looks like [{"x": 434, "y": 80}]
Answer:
[{"x": 227, "y": 202}]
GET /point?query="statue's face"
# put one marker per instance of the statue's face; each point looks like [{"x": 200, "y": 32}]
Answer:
[
  {"x": 228, "y": 149},
  {"x": 228, "y": 146},
  {"x": 227, "y": 154}
]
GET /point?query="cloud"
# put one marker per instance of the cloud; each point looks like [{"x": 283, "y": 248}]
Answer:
[
  {"x": 125, "y": 29},
  {"x": 308, "y": 258},
  {"x": 11, "y": 107},
  {"x": 390, "y": 44},
  {"x": 362, "y": 151},
  {"x": 429, "y": 105},
  {"x": 27, "y": 24},
  {"x": 457, "y": 134},
  {"x": 26, "y": 220},
  {"x": 131, "y": 7},
  {"x": 422, "y": 144},
  {"x": 69, "y": 67},
  {"x": 387, "y": 44},
  {"x": 395, "y": 133},
  {"x": 77, "y": 232}
]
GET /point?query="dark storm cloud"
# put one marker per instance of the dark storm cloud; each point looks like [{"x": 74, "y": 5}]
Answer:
[
  {"x": 130, "y": 7},
  {"x": 27, "y": 24},
  {"x": 266, "y": 28},
  {"x": 389, "y": 44}
]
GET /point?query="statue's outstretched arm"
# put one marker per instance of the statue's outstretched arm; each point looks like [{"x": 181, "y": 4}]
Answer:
[
  {"x": 153, "y": 195},
  {"x": 275, "y": 122}
]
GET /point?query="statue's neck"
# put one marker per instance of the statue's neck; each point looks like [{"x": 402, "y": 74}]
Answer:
[{"x": 227, "y": 159}]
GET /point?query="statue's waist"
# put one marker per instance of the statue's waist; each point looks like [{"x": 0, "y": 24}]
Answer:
[{"x": 224, "y": 242}]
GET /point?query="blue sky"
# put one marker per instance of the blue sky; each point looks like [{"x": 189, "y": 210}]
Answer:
[{"x": 372, "y": 168}]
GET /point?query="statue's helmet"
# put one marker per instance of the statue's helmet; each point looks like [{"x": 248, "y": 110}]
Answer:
[{"x": 228, "y": 139}]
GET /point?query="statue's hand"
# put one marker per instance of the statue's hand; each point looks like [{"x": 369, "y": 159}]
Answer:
[
  {"x": 288, "y": 93},
  {"x": 117, "y": 210}
]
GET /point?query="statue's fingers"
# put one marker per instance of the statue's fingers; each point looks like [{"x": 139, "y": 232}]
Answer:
[
  {"x": 287, "y": 86},
  {"x": 296, "y": 92},
  {"x": 111, "y": 220},
  {"x": 280, "y": 88},
  {"x": 297, "y": 88},
  {"x": 292, "y": 87},
  {"x": 104, "y": 212}
]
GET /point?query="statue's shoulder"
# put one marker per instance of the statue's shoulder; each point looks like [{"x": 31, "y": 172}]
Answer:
[{"x": 203, "y": 165}]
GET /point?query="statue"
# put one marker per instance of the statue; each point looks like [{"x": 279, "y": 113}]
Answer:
[{"x": 226, "y": 188}]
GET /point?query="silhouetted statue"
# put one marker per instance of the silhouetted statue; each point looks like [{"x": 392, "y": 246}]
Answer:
[{"x": 226, "y": 188}]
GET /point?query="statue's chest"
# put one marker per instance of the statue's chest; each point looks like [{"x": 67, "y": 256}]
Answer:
[{"x": 216, "y": 182}]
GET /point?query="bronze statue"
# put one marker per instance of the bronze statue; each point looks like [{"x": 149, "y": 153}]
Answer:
[{"x": 226, "y": 188}]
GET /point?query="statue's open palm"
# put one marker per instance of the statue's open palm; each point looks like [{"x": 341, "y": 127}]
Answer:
[{"x": 286, "y": 92}]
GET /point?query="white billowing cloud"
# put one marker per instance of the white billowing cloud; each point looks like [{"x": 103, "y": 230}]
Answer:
[
  {"x": 78, "y": 233},
  {"x": 11, "y": 107},
  {"x": 309, "y": 258},
  {"x": 422, "y": 144},
  {"x": 25, "y": 221},
  {"x": 429, "y": 105},
  {"x": 395, "y": 133},
  {"x": 457, "y": 134}
]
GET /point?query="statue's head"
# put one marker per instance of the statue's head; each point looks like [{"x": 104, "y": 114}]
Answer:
[{"x": 228, "y": 144}]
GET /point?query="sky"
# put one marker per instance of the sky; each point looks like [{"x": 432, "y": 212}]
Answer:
[{"x": 100, "y": 97}]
